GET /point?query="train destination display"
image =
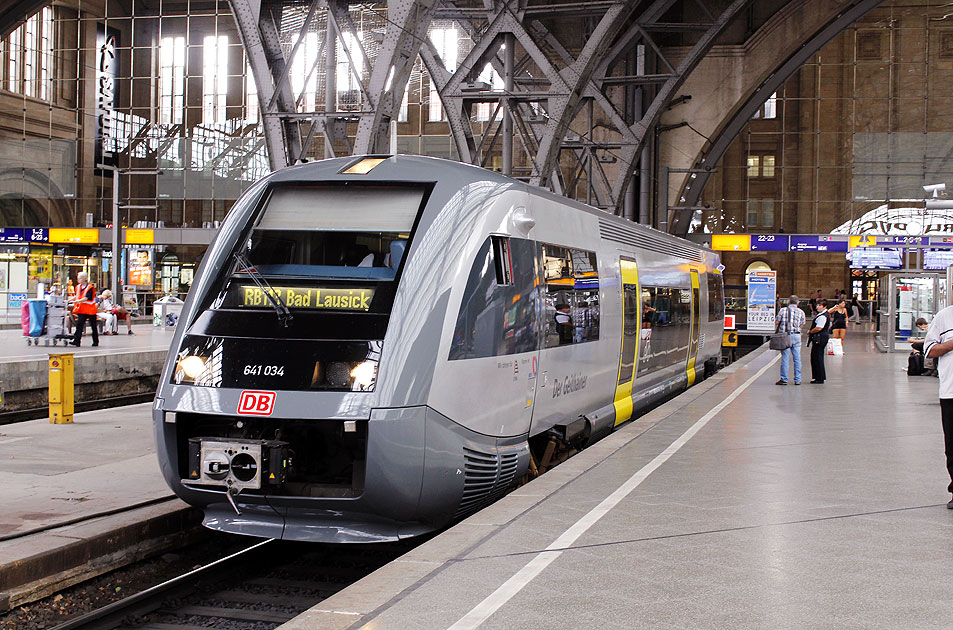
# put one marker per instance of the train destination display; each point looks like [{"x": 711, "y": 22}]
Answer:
[{"x": 305, "y": 297}]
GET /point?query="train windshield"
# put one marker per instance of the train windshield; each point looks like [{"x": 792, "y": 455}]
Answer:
[{"x": 334, "y": 232}]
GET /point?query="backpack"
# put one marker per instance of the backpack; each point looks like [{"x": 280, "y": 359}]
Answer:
[{"x": 915, "y": 364}]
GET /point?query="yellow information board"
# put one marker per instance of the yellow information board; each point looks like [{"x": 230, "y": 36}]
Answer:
[
  {"x": 729, "y": 338},
  {"x": 861, "y": 241},
  {"x": 74, "y": 235},
  {"x": 731, "y": 242},
  {"x": 140, "y": 237}
]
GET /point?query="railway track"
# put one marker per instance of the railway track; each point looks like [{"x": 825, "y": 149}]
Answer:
[
  {"x": 35, "y": 413},
  {"x": 257, "y": 588}
]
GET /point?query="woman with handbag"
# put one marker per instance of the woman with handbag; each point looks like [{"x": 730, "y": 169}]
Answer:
[{"x": 787, "y": 338}]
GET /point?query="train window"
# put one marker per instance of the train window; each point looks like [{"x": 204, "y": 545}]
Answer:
[
  {"x": 716, "y": 298},
  {"x": 334, "y": 231},
  {"x": 666, "y": 327},
  {"x": 630, "y": 331},
  {"x": 502, "y": 260},
  {"x": 497, "y": 319},
  {"x": 571, "y": 295}
]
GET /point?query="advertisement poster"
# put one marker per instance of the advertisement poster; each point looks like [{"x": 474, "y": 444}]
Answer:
[
  {"x": 140, "y": 268},
  {"x": 762, "y": 296}
]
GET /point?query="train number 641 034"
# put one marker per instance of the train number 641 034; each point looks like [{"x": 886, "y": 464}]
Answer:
[{"x": 266, "y": 370}]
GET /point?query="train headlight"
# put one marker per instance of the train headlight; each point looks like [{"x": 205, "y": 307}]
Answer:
[
  {"x": 364, "y": 375},
  {"x": 192, "y": 366}
]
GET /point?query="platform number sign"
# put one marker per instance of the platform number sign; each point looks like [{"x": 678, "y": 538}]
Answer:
[{"x": 256, "y": 403}]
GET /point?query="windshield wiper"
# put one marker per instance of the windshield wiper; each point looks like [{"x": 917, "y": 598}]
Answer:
[{"x": 274, "y": 298}]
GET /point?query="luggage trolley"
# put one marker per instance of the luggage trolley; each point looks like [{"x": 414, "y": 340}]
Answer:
[{"x": 45, "y": 321}]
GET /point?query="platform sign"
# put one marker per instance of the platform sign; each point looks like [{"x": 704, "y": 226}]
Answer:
[
  {"x": 815, "y": 243},
  {"x": 38, "y": 235},
  {"x": 729, "y": 339},
  {"x": 730, "y": 322},
  {"x": 770, "y": 242},
  {"x": 12, "y": 235},
  {"x": 902, "y": 240},
  {"x": 762, "y": 297}
]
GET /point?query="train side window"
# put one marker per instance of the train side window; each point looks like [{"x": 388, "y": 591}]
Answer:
[
  {"x": 571, "y": 295},
  {"x": 498, "y": 311},
  {"x": 630, "y": 331},
  {"x": 716, "y": 298},
  {"x": 666, "y": 327}
]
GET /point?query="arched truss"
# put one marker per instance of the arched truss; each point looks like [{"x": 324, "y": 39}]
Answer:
[
  {"x": 549, "y": 97},
  {"x": 688, "y": 199}
]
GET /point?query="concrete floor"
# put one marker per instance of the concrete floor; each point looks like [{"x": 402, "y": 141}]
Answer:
[
  {"x": 50, "y": 474},
  {"x": 146, "y": 339},
  {"x": 794, "y": 507}
]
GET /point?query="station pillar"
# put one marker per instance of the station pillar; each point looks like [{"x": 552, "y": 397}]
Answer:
[{"x": 61, "y": 388}]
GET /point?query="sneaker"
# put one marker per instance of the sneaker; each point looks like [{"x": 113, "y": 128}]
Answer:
[
  {"x": 797, "y": 382},
  {"x": 781, "y": 383},
  {"x": 131, "y": 333}
]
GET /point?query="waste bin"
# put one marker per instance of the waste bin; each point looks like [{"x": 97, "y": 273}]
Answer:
[{"x": 166, "y": 311}]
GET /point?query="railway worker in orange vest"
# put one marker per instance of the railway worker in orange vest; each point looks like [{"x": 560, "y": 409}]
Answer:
[{"x": 84, "y": 307}]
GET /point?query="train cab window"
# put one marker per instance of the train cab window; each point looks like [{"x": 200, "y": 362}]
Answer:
[
  {"x": 498, "y": 312},
  {"x": 332, "y": 232},
  {"x": 666, "y": 327},
  {"x": 716, "y": 298},
  {"x": 571, "y": 296}
]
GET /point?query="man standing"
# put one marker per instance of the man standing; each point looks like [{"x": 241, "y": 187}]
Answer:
[
  {"x": 937, "y": 345},
  {"x": 790, "y": 319},
  {"x": 84, "y": 307},
  {"x": 819, "y": 334}
]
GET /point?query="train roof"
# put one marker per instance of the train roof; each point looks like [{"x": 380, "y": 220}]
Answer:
[{"x": 423, "y": 169}]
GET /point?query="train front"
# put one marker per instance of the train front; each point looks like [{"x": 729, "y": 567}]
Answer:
[{"x": 283, "y": 361}]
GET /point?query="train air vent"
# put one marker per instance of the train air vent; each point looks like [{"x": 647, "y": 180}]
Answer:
[
  {"x": 486, "y": 478},
  {"x": 662, "y": 244}
]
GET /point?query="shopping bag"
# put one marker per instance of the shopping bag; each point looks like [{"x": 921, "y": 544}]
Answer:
[
  {"x": 25, "y": 318},
  {"x": 835, "y": 347}
]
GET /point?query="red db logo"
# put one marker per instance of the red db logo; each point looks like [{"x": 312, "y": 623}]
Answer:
[{"x": 256, "y": 403}]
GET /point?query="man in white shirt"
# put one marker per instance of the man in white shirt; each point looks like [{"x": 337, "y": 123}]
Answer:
[
  {"x": 937, "y": 345},
  {"x": 819, "y": 334}
]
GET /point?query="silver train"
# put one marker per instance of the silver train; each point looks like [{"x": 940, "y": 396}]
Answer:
[{"x": 374, "y": 347}]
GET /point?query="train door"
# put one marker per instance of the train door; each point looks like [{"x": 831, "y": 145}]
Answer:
[
  {"x": 696, "y": 326},
  {"x": 631, "y": 328}
]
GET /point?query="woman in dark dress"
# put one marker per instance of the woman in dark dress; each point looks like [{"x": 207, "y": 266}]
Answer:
[{"x": 839, "y": 320}]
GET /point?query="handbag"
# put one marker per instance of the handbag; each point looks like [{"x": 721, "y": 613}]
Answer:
[{"x": 779, "y": 340}]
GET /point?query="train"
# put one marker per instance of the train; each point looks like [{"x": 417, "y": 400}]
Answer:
[{"x": 375, "y": 347}]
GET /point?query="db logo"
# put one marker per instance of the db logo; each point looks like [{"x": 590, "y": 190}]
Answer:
[{"x": 256, "y": 403}]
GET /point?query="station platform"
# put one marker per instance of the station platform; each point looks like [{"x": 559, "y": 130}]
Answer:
[
  {"x": 80, "y": 499},
  {"x": 122, "y": 365},
  {"x": 739, "y": 504}
]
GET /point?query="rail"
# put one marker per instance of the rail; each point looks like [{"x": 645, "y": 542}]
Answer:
[{"x": 264, "y": 585}]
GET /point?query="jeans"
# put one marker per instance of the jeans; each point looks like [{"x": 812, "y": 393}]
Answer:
[{"x": 795, "y": 349}]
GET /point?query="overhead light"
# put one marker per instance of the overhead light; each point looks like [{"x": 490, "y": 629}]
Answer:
[{"x": 363, "y": 167}]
